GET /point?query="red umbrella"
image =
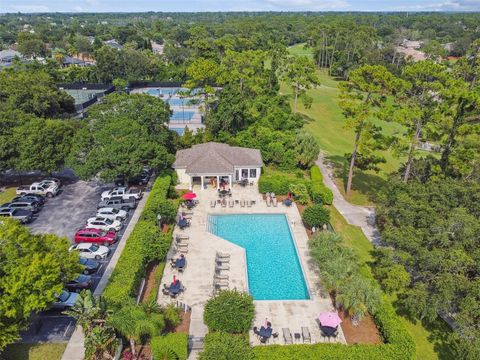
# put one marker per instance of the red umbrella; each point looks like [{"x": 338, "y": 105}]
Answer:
[
  {"x": 189, "y": 196},
  {"x": 289, "y": 195},
  {"x": 174, "y": 279}
]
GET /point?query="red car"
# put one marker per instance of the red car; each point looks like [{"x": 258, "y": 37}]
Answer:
[{"x": 95, "y": 236}]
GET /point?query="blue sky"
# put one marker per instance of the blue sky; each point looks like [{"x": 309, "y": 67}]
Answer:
[{"x": 235, "y": 5}]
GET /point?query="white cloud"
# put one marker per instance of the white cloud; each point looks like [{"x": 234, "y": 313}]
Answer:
[
  {"x": 450, "y": 5},
  {"x": 309, "y": 4},
  {"x": 77, "y": 8},
  {"x": 29, "y": 8}
]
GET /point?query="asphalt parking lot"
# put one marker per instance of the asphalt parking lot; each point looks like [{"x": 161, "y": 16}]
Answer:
[{"x": 63, "y": 215}]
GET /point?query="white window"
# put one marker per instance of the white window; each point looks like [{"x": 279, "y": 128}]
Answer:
[{"x": 253, "y": 173}]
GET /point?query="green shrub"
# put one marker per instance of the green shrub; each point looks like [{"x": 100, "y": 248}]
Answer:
[
  {"x": 172, "y": 315},
  {"x": 278, "y": 183},
  {"x": 316, "y": 215},
  {"x": 145, "y": 243},
  {"x": 222, "y": 346},
  {"x": 300, "y": 193},
  {"x": 230, "y": 311},
  {"x": 318, "y": 191},
  {"x": 170, "y": 346}
]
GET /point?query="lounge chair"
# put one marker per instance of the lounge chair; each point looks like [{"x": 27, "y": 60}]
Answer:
[
  {"x": 220, "y": 282},
  {"x": 221, "y": 261},
  {"x": 182, "y": 250},
  {"x": 269, "y": 203},
  {"x": 231, "y": 203},
  {"x": 275, "y": 202},
  {"x": 242, "y": 203},
  {"x": 182, "y": 237},
  {"x": 213, "y": 203},
  {"x": 224, "y": 203},
  {"x": 222, "y": 255},
  {"x": 287, "y": 336},
  {"x": 220, "y": 276},
  {"x": 306, "y": 334},
  {"x": 221, "y": 267},
  {"x": 249, "y": 203}
]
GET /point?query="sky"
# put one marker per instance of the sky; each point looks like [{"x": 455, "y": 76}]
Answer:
[{"x": 235, "y": 5}]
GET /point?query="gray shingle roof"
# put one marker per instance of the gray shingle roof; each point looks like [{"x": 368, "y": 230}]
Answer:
[{"x": 216, "y": 158}]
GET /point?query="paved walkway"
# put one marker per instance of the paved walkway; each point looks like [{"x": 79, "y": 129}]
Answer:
[
  {"x": 362, "y": 216},
  {"x": 75, "y": 349}
]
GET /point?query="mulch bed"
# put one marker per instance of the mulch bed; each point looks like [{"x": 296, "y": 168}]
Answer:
[
  {"x": 143, "y": 352},
  {"x": 365, "y": 332},
  {"x": 149, "y": 281},
  {"x": 184, "y": 326}
]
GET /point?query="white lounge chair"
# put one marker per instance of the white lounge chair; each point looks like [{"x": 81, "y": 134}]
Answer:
[
  {"x": 275, "y": 202},
  {"x": 249, "y": 203},
  {"x": 269, "y": 203},
  {"x": 306, "y": 334},
  {"x": 242, "y": 203},
  {"x": 287, "y": 336},
  {"x": 213, "y": 203},
  {"x": 220, "y": 276},
  {"x": 221, "y": 267},
  {"x": 222, "y": 255},
  {"x": 231, "y": 203}
]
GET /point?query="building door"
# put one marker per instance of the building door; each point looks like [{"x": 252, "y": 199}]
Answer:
[{"x": 237, "y": 175}]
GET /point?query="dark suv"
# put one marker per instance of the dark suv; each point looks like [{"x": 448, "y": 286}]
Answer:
[{"x": 26, "y": 204}]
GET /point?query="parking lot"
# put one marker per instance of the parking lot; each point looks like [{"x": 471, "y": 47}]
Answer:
[{"x": 63, "y": 215}]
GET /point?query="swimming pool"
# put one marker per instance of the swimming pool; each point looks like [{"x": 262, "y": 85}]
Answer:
[
  {"x": 163, "y": 91},
  {"x": 273, "y": 268},
  {"x": 182, "y": 115},
  {"x": 179, "y": 102}
]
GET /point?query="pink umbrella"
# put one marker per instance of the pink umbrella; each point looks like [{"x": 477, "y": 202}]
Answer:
[
  {"x": 189, "y": 196},
  {"x": 174, "y": 279},
  {"x": 330, "y": 319}
]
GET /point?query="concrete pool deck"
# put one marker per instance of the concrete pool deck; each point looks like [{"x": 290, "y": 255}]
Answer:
[{"x": 199, "y": 273}]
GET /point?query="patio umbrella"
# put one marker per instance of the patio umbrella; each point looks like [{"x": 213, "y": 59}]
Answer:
[
  {"x": 174, "y": 279},
  {"x": 330, "y": 319},
  {"x": 189, "y": 196}
]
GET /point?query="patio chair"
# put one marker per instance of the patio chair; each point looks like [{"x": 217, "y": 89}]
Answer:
[
  {"x": 287, "y": 336},
  {"x": 275, "y": 202},
  {"x": 231, "y": 203},
  {"x": 306, "y": 334},
  {"x": 242, "y": 203},
  {"x": 249, "y": 203},
  {"x": 269, "y": 203},
  {"x": 224, "y": 203},
  {"x": 213, "y": 203},
  {"x": 165, "y": 290}
]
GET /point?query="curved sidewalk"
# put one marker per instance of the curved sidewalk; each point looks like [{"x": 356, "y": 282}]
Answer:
[{"x": 361, "y": 216}]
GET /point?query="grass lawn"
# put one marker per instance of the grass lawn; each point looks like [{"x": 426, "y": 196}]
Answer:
[
  {"x": 7, "y": 195},
  {"x": 47, "y": 351},
  {"x": 429, "y": 338},
  {"x": 326, "y": 122}
]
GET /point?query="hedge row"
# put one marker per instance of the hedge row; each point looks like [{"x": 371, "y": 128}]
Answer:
[
  {"x": 224, "y": 346},
  {"x": 279, "y": 184},
  {"x": 144, "y": 244},
  {"x": 170, "y": 346},
  {"x": 319, "y": 193},
  {"x": 399, "y": 345}
]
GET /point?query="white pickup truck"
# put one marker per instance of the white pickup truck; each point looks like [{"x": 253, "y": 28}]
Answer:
[
  {"x": 48, "y": 189},
  {"x": 123, "y": 192}
]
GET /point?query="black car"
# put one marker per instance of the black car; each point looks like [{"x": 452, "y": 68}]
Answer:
[
  {"x": 143, "y": 177},
  {"x": 90, "y": 266},
  {"x": 82, "y": 282},
  {"x": 34, "y": 197},
  {"x": 24, "y": 216}
]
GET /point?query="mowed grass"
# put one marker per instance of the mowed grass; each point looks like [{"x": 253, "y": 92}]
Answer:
[
  {"x": 327, "y": 123},
  {"x": 7, "y": 195},
  {"x": 430, "y": 339},
  {"x": 47, "y": 351}
]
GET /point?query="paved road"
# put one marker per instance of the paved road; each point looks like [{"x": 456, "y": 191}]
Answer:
[
  {"x": 63, "y": 215},
  {"x": 361, "y": 216}
]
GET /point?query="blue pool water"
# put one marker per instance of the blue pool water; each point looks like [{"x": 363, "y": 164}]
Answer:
[
  {"x": 179, "y": 131},
  {"x": 163, "y": 91},
  {"x": 274, "y": 271},
  {"x": 179, "y": 102},
  {"x": 182, "y": 115}
]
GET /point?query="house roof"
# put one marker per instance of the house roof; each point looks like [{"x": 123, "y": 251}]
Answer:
[
  {"x": 216, "y": 158},
  {"x": 9, "y": 55}
]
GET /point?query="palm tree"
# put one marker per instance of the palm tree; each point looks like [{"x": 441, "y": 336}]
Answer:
[
  {"x": 358, "y": 296},
  {"x": 88, "y": 311},
  {"x": 135, "y": 323}
]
